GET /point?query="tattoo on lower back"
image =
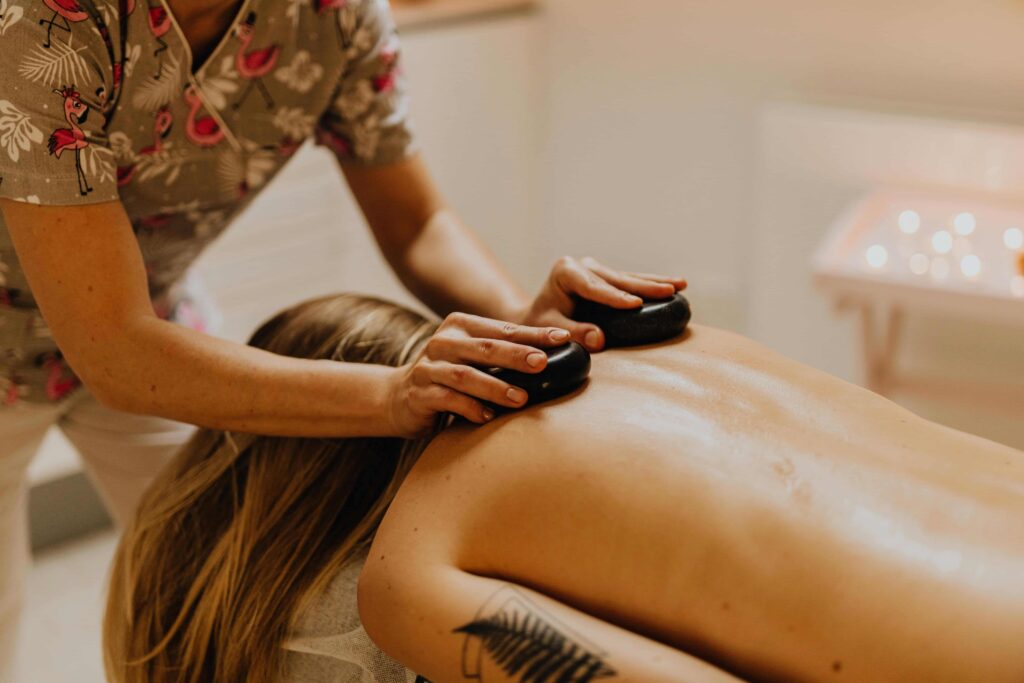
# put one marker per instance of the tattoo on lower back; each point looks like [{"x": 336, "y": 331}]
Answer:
[{"x": 514, "y": 636}]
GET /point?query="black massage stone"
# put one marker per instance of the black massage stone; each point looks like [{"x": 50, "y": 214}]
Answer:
[
  {"x": 568, "y": 367},
  {"x": 652, "y": 322}
]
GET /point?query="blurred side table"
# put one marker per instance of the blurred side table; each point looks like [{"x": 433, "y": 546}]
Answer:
[{"x": 897, "y": 252}]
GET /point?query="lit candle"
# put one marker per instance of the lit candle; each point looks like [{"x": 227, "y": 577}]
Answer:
[
  {"x": 877, "y": 256},
  {"x": 909, "y": 222},
  {"x": 970, "y": 266},
  {"x": 1013, "y": 238},
  {"x": 942, "y": 242},
  {"x": 964, "y": 223}
]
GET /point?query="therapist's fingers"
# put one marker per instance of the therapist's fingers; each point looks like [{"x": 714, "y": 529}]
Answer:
[
  {"x": 477, "y": 384},
  {"x": 442, "y": 399},
  {"x": 489, "y": 352},
  {"x": 678, "y": 282},
  {"x": 647, "y": 288},
  {"x": 573, "y": 277},
  {"x": 587, "y": 334},
  {"x": 486, "y": 328}
]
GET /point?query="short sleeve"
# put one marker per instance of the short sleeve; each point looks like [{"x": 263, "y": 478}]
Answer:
[
  {"x": 53, "y": 95},
  {"x": 367, "y": 122}
]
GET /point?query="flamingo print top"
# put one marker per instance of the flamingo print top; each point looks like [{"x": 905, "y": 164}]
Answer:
[{"x": 99, "y": 102}]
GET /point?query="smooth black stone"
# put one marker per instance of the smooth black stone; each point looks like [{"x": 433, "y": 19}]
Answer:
[
  {"x": 655, "y": 321},
  {"x": 568, "y": 367}
]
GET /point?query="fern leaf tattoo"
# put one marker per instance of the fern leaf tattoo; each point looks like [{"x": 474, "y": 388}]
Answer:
[{"x": 527, "y": 645}]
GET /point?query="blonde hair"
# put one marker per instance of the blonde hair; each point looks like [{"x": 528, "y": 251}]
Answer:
[{"x": 240, "y": 531}]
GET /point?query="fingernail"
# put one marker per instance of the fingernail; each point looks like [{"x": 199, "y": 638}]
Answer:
[
  {"x": 559, "y": 335},
  {"x": 592, "y": 339},
  {"x": 488, "y": 414},
  {"x": 535, "y": 359},
  {"x": 516, "y": 395}
]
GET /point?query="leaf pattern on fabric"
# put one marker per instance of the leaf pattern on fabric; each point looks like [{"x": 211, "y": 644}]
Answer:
[
  {"x": 355, "y": 100},
  {"x": 131, "y": 58},
  {"x": 366, "y": 137},
  {"x": 98, "y": 163},
  {"x": 361, "y": 40},
  {"x": 294, "y": 122},
  {"x": 293, "y": 9},
  {"x": 301, "y": 74},
  {"x": 240, "y": 174},
  {"x": 217, "y": 88},
  {"x": 57, "y": 65},
  {"x": 121, "y": 146},
  {"x": 167, "y": 163},
  {"x": 16, "y": 131},
  {"x": 207, "y": 223},
  {"x": 154, "y": 93},
  {"x": 9, "y": 15}
]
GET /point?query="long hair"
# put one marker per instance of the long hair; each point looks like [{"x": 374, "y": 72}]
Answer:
[{"x": 239, "y": 531}]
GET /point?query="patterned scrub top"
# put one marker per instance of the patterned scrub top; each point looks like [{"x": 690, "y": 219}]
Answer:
[{"x": 98, "y": 102}]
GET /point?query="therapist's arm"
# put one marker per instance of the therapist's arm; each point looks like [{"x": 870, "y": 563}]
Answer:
[
  {"x": 435, "y": 255},
  {"x": 87, "y": 275},
  {"x": 446, "y": 266}
]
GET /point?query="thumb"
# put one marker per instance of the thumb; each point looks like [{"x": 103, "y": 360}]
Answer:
[{"x": 587, "y": 334}]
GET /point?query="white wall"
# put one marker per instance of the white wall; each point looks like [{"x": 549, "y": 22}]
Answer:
[{"x": 666, "y": 147}]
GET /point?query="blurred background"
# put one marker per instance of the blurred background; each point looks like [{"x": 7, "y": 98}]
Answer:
[{"x": 719, "y": 139}]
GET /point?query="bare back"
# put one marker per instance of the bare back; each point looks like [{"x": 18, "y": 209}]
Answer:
[{"x": 715, "y": 496}]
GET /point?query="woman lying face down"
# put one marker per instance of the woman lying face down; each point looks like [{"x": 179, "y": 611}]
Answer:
[{"x": 702, "y": 509}]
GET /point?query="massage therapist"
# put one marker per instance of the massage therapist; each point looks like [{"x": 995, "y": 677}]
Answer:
[{"x": 132, "y": 133}]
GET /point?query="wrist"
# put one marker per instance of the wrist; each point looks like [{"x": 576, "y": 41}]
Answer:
[{"x": 384, "y": 402}]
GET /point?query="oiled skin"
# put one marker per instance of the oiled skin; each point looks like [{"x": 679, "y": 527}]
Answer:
[{"x": 769, "y": 518}]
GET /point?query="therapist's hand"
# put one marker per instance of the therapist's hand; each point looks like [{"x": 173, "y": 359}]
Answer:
[
  {"x": 443, "y": 379},
  {"x": 585, "y": 278}
]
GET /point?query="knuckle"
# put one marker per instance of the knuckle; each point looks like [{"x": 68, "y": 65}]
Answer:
[
  {"x": 454, "y": 319},
  {"x": 420, "y": 372},
  {"x": 459, "y": 374},
  {"x": 564, "y": 262},
  {"x": 486, "y": 346},
  {"x": 442, "y": 396},
  {"x": 433, "y": 345},
  {"x": 509, "y": 329}
]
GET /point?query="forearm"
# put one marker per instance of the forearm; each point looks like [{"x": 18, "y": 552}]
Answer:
[
  {"x": 158, "y": 368},
  {"x": 452, "y": 625},
  {"x": 448, "y": 268},
  {"x": 437, "y": 257}
]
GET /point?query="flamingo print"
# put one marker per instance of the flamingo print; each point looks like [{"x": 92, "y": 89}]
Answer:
[
  {"x": 203, "y": 130},
  {"x": 75, "y": 113},
  {"x": 159, "y": 20},
  {"x": 68, "y": 10},
  {"x": 59, "y": 379},
  {"x": 254, "y": 64},
  {"x": 161, "y": 129}
]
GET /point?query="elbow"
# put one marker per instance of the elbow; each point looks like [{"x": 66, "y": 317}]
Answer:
[{"x": 108, "y": 389}]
